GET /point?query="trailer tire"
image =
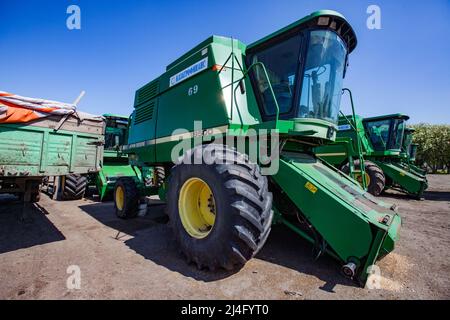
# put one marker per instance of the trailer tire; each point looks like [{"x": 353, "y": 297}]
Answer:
[
  {"x": 240, "y": 203},
  {"x": 74, "y": 187},
  {"x": 126, "y": 198},
  {"x": 160, "y": 176},
  {"x": 377, "y": 180}
]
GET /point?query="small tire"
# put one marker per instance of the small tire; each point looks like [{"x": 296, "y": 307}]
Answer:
[
  {"x": 159, "y": 175},
  {"x": 243, "y": 208},
  {"x": 377, "y": 180},
  {"x": 74, "y": 187},
  {"x": 126, "y": 198}
]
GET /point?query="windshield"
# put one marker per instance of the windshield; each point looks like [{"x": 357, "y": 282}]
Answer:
[
  {"x": 115, "y": 134},
  {"x": 321, "y": 84},
  {"x": 407, "y": 140},
  {"x": 323, "y": 77},
  {"x": 397, "y": 134},
  {"x": 386, "y": 134},
  {"x": 413, "y": 152}
]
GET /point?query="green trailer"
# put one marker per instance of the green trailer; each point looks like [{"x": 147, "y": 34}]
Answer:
[
  {"x": 250, "y": 163},
  {"x": 384, "y": 147},
  {"x": 53, "y": 146}
]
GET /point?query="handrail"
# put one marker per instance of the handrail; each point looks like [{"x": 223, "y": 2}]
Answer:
[
  {"x": 358, "y": 140},
  {"x": 245, "y": 73}
]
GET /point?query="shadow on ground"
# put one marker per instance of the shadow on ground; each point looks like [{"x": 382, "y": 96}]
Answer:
[
  {"x": 427, "y": 195},
  {"x": 19, "y": 231},
  {"x": 437, "y": 195},
  {"x": 152, "y": 238}
]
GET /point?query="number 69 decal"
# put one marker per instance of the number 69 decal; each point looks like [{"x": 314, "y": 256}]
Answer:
[{"x": 193, "y": 90}]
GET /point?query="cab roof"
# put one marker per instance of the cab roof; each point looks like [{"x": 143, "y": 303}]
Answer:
[
  {"x": 112, "y": 115},
  {"x": 388, "y": 116},
  {"x": 323, "y": 18}
]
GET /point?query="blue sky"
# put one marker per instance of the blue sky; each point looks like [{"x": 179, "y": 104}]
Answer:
[{"x": 404, "y": 67}]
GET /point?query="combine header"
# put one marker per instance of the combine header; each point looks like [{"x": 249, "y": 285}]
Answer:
[{"x": 221, "y": 209}]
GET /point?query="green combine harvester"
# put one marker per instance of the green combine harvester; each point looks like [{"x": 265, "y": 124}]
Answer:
[
  {"x": 220, "y": 203},
  {"x": 114, "y": 165},
  {"x": 384, "y": 148}
]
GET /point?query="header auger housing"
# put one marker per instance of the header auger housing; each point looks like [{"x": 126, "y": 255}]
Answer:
[{"x": 222, "y": 200}]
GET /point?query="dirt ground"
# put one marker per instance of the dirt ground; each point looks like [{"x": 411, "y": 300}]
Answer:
[{"x": 138, "y": 259}]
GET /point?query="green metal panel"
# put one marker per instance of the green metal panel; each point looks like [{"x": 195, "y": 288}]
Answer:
[
  {"x": 38, "y": 151},
  {"x": 111, "y": 171},
  {"x": 407, "y": 180}
]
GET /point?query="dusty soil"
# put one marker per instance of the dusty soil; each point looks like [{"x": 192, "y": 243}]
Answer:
[{"x": 138, "y": 259}]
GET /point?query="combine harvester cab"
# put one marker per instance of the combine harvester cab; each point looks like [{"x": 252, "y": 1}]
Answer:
[{"x": 287, "y": 84}]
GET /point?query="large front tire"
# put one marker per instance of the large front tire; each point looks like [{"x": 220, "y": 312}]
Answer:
[
  {"x": 126, "y": 198},
  {"x": 375, "y": 178},
  {"x": 220, "y": 213}
]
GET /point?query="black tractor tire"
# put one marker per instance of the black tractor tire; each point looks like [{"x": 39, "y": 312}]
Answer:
[
  {"x": 377, "y": 179},
  {"x": 159, "y": 176},
  {"x": 243, "y": 207},
  {"x": 74, "y": 187},
  {"x": 128, "y": 206}
]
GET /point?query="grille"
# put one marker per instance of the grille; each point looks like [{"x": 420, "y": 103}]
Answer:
[
  {"x": 144, "y": 112},
  {"x": 147, "y": 92}
]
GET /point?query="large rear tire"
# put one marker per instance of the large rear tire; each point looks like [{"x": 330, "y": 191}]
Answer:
[
  {"x": 220, "y": 212},
  {"x": 375, "y": 178},
  {"x": 126, "y": 198},
  {"x": 74, "y": 187}
]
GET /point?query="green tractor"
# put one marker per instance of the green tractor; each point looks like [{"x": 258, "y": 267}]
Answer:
[
  {"x": 280, "y": 94},
  {"x": 383, "y": 145},
  {"x": 114, "y": 165}
]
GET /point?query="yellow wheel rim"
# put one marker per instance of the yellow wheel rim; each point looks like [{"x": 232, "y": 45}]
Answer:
[
  {"x": 197, "y": 208},
  {"x": 359, "y": 178},
  {"x": 120, "y": 197}
]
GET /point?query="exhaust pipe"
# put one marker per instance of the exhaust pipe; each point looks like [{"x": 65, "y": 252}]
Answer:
[{"x": 349, "y": 270}]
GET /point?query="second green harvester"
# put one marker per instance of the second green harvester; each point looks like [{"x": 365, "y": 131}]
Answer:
[
  {"x": 385, "y": 143},
  {"x": 221, "y": 209}
]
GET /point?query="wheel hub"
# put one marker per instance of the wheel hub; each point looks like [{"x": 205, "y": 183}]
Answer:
[
  {"x": 197, "y": 208},
  {"x": 120, "y": 197}
]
